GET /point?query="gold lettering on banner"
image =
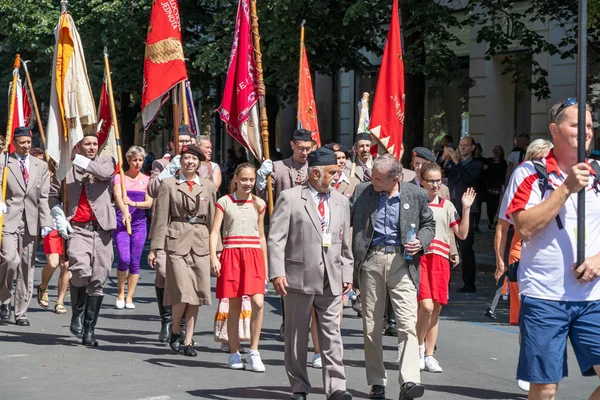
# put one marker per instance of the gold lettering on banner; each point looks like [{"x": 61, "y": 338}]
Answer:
[
  {"x": 172, "y": 13},
  {"x": 398, "y": 107},
  {"x": 164, "y": 51}
]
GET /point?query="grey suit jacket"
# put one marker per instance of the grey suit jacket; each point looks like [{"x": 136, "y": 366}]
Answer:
[
  {"x": 97, "y": 179},
  {"x": 364, "y": 215},
  {"x": 282, "y": 179},
  {"x": 296, "y": 243},
  {"x": 29, "y": 202}
]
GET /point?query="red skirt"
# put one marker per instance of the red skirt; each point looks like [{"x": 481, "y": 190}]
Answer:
[
  {"x": 242, "y": 273},
  {"x": 53, "y": 243},
  {"x": 435, "y": 277}
]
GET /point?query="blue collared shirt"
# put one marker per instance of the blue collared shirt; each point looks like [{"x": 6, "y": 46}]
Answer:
[{"x": 387, "y": 225}]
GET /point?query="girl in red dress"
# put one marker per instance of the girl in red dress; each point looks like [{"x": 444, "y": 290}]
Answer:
[{"x": 242, "y": 267}]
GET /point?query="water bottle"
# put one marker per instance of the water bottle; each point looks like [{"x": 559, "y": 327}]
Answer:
[
  {"x": 411, "y": 236},
  {"x": 352, "y": 295}
]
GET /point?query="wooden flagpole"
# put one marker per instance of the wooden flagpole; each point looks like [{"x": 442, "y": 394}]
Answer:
[
  {"x": 184, "y": 105},
  {"x": 9, "y": 131},
  {"x": 113, "y": 114},
  {"x": 36, "y": 110},
  {"x": 264, "y": 121}
]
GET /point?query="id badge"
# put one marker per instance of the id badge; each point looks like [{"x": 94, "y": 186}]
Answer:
[{"x": 326, "y": 239}]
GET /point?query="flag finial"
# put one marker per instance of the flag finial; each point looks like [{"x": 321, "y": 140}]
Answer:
[{"x": 63, "y": 6}]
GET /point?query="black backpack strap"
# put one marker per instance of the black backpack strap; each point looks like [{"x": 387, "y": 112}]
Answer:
[
  {"x": 596, "y": 184},
  {"x": 544, "y": 184}
]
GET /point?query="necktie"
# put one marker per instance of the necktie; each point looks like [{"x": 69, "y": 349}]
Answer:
[
  {"x": 366, "y": 174},
  {"x": 190, "y": 185},
  {"x": 321, "y": 208},
  {"x": 337, "y": 185},
  {"x": 24, "y": 170}
]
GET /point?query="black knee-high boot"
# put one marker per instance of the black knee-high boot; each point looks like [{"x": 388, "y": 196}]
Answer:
[
  {"x": 92, "y": 310},
  {"x": 166, "y": 316},
  {"x": 78, "y": 300}
]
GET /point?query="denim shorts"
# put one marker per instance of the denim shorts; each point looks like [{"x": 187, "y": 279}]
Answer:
[{"x": 545, "y": 326}]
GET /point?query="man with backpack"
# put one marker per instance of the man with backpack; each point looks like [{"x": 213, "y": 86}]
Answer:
[
  {"x": 517, "y": 155},
  {"x": 559, "y": 299}
]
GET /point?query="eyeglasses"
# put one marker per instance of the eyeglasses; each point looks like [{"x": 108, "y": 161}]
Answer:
[
  {"x": 571, "y": 101},
  {"x": 184, "y": 142},
  {"x": 433, "y": 182},
  {"x": 304, "y": 149}
]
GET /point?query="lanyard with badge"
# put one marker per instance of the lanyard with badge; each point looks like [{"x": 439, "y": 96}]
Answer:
[{"x": 325, "y": 224}]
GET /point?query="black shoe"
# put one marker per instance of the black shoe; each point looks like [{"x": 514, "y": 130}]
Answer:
[
  {"x": 166, "y": 316},
  {"x": 467, "y": 289},
  {"x": 377, "y": 392},
  {"x": 23, "y": 322},
  {"x": 477, "y": 230},
  {"x": 78, "y": 299},
  {"x": 5, "y": 312},
  {"x": 281, "y": 336},
  {"x": 175, "y": 342},
  {"x": 411, "y": 390},
  {"x": 189, "y": 351},
  {"x": 340, "y": 395},
  {"x": 92, "y": 310},
  {"x": 298, "y": 396},
  {"x": 391, "y": 330},
  {"x": 490, "y": 314}
]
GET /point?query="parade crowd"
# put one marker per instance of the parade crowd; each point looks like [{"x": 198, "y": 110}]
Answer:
[{"x": 358, "y": 229}]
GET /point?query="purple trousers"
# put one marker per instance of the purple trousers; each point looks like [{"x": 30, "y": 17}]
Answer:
[{"x": 129, "y": 248}]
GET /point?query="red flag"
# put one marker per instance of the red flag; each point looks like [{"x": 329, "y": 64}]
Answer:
[
  {"x": 307, "y": 108},
  {"x": 387, "y": 119},
  {"x": 239, "y": 108},
  {"x": 164, "y": 65},
  {"x": 107, "y": 144},
  {"x": 22, "y": 114}
]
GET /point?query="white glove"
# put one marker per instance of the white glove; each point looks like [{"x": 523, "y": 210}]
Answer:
[
  {"x": 62, "y": 225},
  {"x": 263, "y": 172},
  {"x": 2, "y": 208},
  {"x": 45, "y": 231},
  {"x": 170, "y": 169},
  {"x": 81, "y": 161}
]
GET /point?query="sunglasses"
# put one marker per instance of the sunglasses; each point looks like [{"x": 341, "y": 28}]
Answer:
[{"x": 571, "y": 101}]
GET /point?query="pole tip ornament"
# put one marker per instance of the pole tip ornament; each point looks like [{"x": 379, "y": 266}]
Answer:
[
  {"x": 17, "y": 63},
  {"x": 63, "y": 6}
]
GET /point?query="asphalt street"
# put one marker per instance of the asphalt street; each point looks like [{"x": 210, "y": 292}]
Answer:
[{"x": 45, "y": 361}]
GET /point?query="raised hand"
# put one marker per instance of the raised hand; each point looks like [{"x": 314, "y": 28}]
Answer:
[{"x": 468, "y": 198}]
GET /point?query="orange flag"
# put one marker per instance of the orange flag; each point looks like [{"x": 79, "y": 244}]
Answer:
[{"x": 307, "y": 108}]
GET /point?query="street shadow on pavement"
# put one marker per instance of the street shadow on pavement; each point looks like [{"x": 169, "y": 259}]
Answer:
[
  {"x": 182, "y": 361},
  {"x": 39, "y": 339},
  {"x": 259, "y": 392},
  {"x": 474, "y": 393}
]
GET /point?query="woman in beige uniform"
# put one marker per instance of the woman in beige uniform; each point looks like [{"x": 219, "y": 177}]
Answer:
[{"x": 184, "y": 211}]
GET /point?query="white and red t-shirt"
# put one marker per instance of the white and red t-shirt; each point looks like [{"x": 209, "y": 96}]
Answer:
[
  {"x": 547, "y": 260},
  {"x": 445, "y": 216}
]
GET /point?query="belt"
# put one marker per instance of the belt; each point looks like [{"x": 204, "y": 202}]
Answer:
[
  {"x": 89, "y": 226},
  {"x": 191, "y": 220},
  {"x": 387, "y": 249}
]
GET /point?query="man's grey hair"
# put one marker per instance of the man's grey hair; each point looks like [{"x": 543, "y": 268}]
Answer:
[
  {"x": 388, "y": 163},
  {"x": 321, "y": 169},
  {"x": 539, "y": 148},
  {"x": 203, "y": 138}
]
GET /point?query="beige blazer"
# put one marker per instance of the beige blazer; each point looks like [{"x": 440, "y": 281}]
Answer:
[
  {"x": 347, "y": 189},
  {"x": 282, "y": 179},
  {"x": 179, "y": 237},
  {"x": 29, "y": 202},
  {"x": 97, "y": 179},
  {"x": 295, "y": 243}
]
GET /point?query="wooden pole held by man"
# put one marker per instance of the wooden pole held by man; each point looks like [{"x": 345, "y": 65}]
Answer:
[
  {"x": 36, "y": 110},
  {"x": 9, "y": 132},
  {"x": 264, "y": 121},
  {"x": 113, "y": 114}
]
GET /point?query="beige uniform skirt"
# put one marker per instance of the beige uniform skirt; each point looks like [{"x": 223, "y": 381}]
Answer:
[{"x": 188, "y": 279}]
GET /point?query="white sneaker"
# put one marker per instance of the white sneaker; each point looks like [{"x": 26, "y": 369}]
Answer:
[
  {"x": 130, "y": 306},
  {"x": 316, "y": 361},
  {"x": 432, "y": 365},
  {"x": 235, "y": 361},
  {"x": 120, "y": 304},
  {"x": 421, "y": 358},
  {"x": 254, "y": 362},
  {"x": 523, "y": 385}
]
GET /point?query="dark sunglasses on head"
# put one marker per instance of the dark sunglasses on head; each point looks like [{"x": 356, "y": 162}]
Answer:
[{"x": 571, "y": 101}]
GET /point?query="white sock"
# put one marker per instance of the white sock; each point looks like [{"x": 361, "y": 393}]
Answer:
[{"x": 253, "y": 352}]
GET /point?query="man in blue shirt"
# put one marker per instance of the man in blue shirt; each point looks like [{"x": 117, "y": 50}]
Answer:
[{"x": 382, "y": 213}]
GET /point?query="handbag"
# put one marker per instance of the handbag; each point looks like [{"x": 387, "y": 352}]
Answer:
[
  {"x": 221, "y": 315},
  {"x": 511, "y": 273}
]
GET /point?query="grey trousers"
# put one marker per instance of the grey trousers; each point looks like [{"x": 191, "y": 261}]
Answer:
[
  {"x": 91, "y": 257},
  {"x": 298, "y": 308},
  {"x": 18, "y": 262}
]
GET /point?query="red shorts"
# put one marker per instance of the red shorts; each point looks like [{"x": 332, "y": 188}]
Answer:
[
  {"x": 53, "y": 243},
  {"x": 435, "y": 277}
]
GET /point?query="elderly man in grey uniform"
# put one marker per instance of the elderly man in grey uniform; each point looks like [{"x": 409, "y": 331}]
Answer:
[
  {"x": 310, "y": 261},
  {"x": 26, "y": 209},
  {"x": 286, "y": 174},
  {"x": 383, "y": 212},
  {"x": 91, "y": 218}
]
